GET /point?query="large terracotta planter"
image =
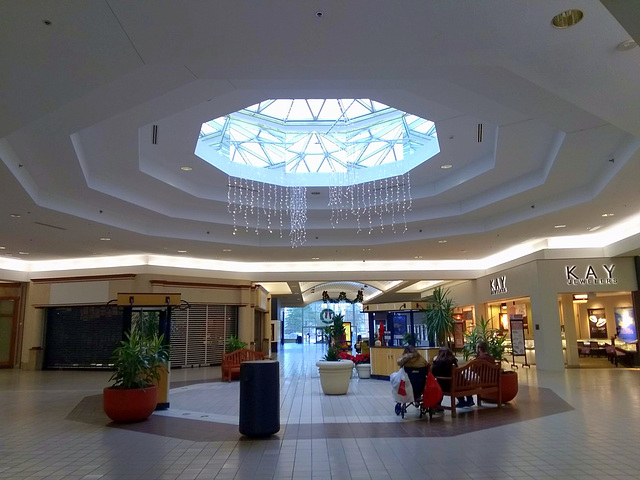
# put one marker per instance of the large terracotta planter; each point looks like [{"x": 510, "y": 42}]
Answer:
[
  {"x": 364, "y": 370},
  {"x": 335, "y": 376},
  {"x": 509, "y": 384},
  {"x": 129, "y": 405}
]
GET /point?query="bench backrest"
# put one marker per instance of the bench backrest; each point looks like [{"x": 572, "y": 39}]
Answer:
[
  {"x": 242, "y": 355},
  {"x": 478, "y": 373}
]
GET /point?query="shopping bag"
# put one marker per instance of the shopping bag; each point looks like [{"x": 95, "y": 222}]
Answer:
[
  {"x": 432, "y": 394},
  {"x": 401, "y": 388}
]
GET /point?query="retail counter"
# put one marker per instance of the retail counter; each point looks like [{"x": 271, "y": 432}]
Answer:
[{"x": 384, "y": 360}]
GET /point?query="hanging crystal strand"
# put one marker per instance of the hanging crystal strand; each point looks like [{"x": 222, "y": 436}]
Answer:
[
  {"x": 269, "y": 207},
  {"x": 352, "y": 199},
  {"x": 358, "y": 210},
  {"x": 257, "y": 203},
  {"x": 281, "y": 208},
  {"x": 379, "y": 205},
  {"x": 332, "y": 192},
  {"x": 231, "y": 203},
  {"x": 406, "y": 195},
  {"x": 298, "y": 208},
  {"x": 394, "y": 192},
  {"x": 369, "y": 207},
  {"x": 387, "y": 200}
]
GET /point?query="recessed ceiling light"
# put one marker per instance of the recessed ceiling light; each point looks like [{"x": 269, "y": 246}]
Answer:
[
  {"x": 607, "y": 214},
  {"x": 315, "y": 258},
  {"x": 445, "y": 167},
  {"x": 567, "y": 19},
  {"x": 626, "y": 45},
  {"x": 23, "y": 253},
  {"x": 105, "y": 239},
  {"x": 186, "y": 168},
  {"x": 3, "y": 248},
  {"x": 418, "y": 256},
  {"x": 442, "y": 241},
  {"x": 559, "y": 226},
  {"x": 182, "y": 251},
  {"x": 593, "y": 229},
  {"x": 15, "y": 215},
  {"x": 226, "y": 249}
]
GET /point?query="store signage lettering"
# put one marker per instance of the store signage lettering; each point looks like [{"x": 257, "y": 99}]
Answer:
[
  {"x": 498, "y": 285},
  {"x": 591, "y": 276}
]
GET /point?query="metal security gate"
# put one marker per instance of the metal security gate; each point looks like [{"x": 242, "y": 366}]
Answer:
[
  {"x": 199, "y": 333},
  {"x": 81, "y": 337}
]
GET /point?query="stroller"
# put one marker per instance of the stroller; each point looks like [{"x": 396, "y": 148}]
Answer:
[{"x": 418, "y": 378}]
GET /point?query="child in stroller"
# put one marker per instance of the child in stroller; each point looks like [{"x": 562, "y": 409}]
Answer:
[{"x": 416, "y": 368}]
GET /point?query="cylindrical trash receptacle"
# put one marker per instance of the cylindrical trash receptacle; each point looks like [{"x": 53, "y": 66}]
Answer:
[{"x": 259, "y": 398}]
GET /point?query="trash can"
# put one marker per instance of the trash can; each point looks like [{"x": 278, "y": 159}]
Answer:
[
  {"x": 259, "y": 398},
  {"x": 299, "y": 339}
]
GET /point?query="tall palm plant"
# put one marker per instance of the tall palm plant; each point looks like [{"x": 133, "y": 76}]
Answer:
[{"x": 439, "y": 317}]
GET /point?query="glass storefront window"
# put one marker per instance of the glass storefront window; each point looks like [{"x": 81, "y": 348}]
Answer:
[{"x": 306, "y": 321}]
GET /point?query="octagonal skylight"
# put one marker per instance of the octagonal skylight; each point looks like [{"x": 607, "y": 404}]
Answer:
[{"x": 310, "y": 142}]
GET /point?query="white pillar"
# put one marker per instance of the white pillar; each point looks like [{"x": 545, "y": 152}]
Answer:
[{"x": 546, "y": 328}]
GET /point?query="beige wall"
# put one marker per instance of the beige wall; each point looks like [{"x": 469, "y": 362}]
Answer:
[
  {"x": 543, "y": 281},
  {"x": 77, "y": 291}
]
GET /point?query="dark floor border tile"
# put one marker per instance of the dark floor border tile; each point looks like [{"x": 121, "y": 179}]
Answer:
[{"x": 531, "y": 403}]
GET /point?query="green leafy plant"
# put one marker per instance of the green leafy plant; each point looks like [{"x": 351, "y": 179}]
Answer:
[
  {"x": 439, "y": 317},
  {"x": 138, "y": 360},
  {"x": 331, "y": 355},
  {"x": 233, "y": 344},
  {"x": 335, "y": 333},
  {"x": 483, "y": 331}
]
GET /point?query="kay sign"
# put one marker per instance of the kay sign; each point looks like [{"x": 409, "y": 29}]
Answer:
[
  {"x": 498, "y": 285},
  {"x": 602, "y": 275}
]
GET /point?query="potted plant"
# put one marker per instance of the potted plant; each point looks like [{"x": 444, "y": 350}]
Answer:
[
  {"x": 363, "y": 365},
  {"x": 496, "y": 348},
  {"x": 335, "y": 373},
  {"x": 138, "y": 361},
  {"x": 438, "y": 317},
  {"x": 234, "y": 343}
]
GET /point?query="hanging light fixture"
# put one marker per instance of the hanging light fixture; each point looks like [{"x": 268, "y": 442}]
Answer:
[{"x": 359, "y": 149}]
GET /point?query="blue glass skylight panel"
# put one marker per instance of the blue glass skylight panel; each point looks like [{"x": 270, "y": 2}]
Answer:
[{"x": 317, "y": 137}]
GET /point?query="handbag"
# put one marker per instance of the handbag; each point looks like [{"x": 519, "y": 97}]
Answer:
[
  {"x": 432, "y": 395},
  {"x": 401, "y": 388}
]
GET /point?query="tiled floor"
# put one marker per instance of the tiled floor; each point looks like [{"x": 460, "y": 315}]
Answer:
[{"x": 578, "y": 424}]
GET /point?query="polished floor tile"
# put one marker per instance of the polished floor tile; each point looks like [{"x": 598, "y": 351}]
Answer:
[{"x": 577, "y": 424}]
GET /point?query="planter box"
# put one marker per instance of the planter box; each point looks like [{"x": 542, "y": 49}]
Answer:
[
  {"x": 132, "y": 405},
  {"x": 335, "y": 376},
  {"x": 364, "y": 370}
]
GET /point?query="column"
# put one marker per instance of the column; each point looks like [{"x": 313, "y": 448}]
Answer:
[{"x": 546, "y": 328}]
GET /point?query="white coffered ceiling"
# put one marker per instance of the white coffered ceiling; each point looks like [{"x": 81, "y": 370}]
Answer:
[{"x": 79, "y": 98}]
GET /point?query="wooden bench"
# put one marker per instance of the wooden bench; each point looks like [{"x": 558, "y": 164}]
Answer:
[
  {"x": 475, "y": 378},
  {"x": 231, "y": 361}
]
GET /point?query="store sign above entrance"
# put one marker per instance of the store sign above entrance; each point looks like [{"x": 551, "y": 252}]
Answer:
[
  {"x": 591, "y": 276},
  {"x": 499, "y": 285}
]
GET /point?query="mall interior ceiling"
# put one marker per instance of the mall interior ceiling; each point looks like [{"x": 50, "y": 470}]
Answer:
[{"x": 103, "y": 103}]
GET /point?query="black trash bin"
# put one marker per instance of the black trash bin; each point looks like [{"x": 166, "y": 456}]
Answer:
[
  {"x": 299, "y": 339},
  {"x": 259, "y": 398}
]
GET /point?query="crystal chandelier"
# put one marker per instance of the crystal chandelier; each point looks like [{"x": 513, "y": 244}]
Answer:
[
  {"x": 257, "y": 206},
  {"x": 361, "y": 150}
]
